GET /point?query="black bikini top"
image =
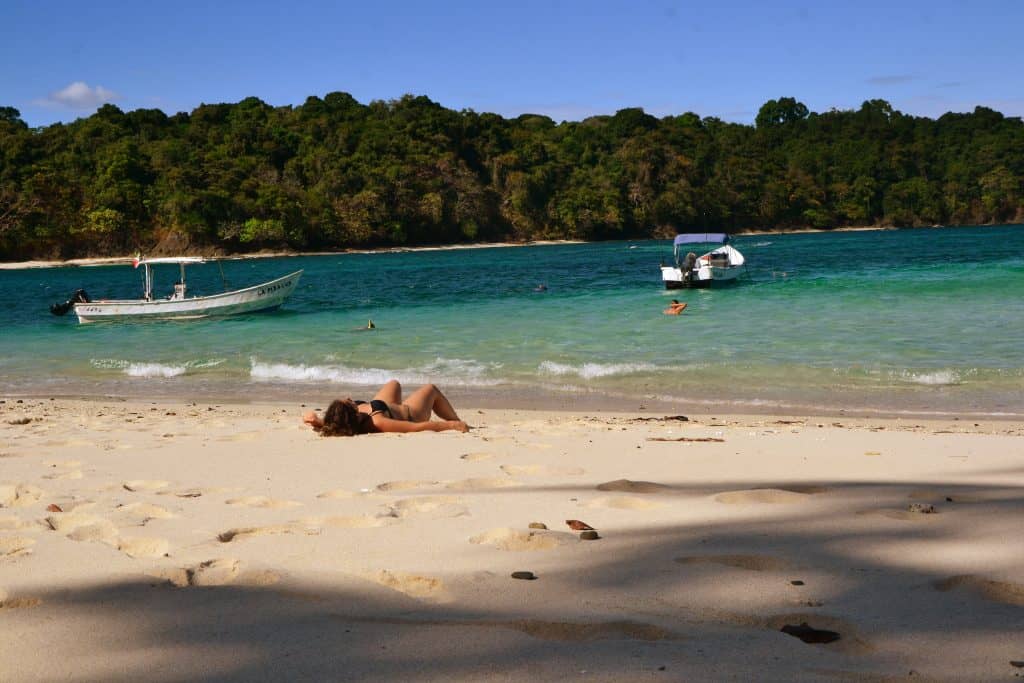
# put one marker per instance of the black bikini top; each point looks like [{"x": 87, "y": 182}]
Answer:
[{"x": 377, "y": 406}]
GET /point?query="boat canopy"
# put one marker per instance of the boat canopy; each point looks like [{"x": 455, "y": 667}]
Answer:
[
  {"x": 171, "y": 259},
  {"x": 701, "y": 238}
]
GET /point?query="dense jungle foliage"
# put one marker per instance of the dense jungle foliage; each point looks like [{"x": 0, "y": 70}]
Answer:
[{"x": 334, "y": 173}]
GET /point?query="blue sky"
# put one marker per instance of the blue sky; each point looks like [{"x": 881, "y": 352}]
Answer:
[{"x": 569, "y": 60}]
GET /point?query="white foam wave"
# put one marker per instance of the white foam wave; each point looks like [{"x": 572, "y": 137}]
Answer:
[
  {"x": 937, "y": 378},
  {"x": 449, "y": 371},
  {"x": 153, "y": 370},
  {"x": 594, "y": 370},
  {"x": 136, "y": 369}
]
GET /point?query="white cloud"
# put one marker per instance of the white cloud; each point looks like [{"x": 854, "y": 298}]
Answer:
[{"x": 79, "y": 95}]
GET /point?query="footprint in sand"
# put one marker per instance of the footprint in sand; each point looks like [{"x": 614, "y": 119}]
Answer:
[
  {"x": 482, "y": 483},
  {"x": 19, "y": 495},
  {"x": 405, "y": 485},
  {"x": 248, "y": 532},
  {"x": 143, "y": 547},
  {"x": 622, "y": 503},
  {"x": 342, "y": 522},
  {"x": 756, "y": 563},
  {"x": 140, "y": 513},
  {"x": 541, "y": 471},
  {"x": 14, "y": 546},
  {"x": 519, "y": 541},
  {"x": 85, "y": 527},
  {"x": 769, "y": 496},
  {"x": 430, "y": 507},
  {"x": 263, "y": 502},
  {"x": 475, "y": 457},
  {"x": 413, "y": 585},
  {"x": 629, "y": 486},
  {"x": 219, "y": 572},
  {"x": 995, "y": 591},
  {"x": 137, "y": 485}
]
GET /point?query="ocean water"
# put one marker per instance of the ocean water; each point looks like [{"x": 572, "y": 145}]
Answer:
[{"x": 924, "y": 321}]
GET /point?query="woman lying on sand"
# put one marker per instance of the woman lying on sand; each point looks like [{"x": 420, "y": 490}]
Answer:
[{"x": 387, "y": 412}]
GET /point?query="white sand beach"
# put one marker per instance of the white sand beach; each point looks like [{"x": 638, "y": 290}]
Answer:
[{"x": 181, "y": 541}]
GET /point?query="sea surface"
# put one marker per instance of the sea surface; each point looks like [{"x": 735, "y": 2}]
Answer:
[{"x": 894, "y": 322}]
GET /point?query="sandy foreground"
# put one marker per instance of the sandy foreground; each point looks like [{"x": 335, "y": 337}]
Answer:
[{"x": 179, "y": 542}]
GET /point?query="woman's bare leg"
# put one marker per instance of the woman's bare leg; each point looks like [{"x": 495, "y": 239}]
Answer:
[
  {"x": 390, "y": 392},
  {"x": 427, "y": 399}
]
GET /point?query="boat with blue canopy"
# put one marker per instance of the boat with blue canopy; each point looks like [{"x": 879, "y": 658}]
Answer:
[{"x": 722, "y": 264}]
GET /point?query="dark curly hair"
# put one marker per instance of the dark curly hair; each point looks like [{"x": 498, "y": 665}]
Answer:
[{"x": 344, "y": 419}]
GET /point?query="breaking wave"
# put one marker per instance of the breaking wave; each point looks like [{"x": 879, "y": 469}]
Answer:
[
  {"x": 138, "y": 369},
  {"x": 595, "y": 370},
  {"x": 937, "y": 378},
  {"x": 448, "y": 371}
]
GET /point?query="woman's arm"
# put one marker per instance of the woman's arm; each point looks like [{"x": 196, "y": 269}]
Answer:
[
  {"x": 313, "y": 420},
  {"x": 387, "y": 424}
]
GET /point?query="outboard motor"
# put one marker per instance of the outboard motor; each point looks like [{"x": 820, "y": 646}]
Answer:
[
  {"x": 688, "y": 265},
  {"x": 79, "y": 297}
]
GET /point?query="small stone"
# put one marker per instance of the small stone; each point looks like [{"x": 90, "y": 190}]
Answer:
[
  {"x": 525, "y": 576},
  {"x": 589, "y": 536},
  {"x": 53, "y": 507},
  {"x": 1017, "y": 663},
  {"x": 797, "y": 582},
  {"x": 922, "y": 508},
  {"x": 538, "y": 525},
  {"x": 20, "y": 421}
]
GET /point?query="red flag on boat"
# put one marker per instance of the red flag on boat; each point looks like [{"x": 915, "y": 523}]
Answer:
[{"x": 135, "y": 261}]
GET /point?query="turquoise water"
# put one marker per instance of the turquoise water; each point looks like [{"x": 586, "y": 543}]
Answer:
[{"x": 926, "y": 321}]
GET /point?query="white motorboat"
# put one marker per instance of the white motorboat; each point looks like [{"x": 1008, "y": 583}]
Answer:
[
  {"x": 719, "y": 265},
  {"x": 259, "y": 297}
]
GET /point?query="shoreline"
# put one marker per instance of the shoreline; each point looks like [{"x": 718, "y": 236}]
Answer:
[
  {"x": 502, "y": 397},
  {"x": 118, "y": 260}
]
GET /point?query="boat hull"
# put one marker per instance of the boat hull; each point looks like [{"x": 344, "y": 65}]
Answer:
[
  {"x": 262, "y": 297},
  {"x": 701, "y": 277}
]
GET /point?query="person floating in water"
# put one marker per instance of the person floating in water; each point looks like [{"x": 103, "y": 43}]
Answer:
[
  {"x": 387, "y": 412},
  {"x": 541, "y": 288},
  {"x": 675, "y": 308}
]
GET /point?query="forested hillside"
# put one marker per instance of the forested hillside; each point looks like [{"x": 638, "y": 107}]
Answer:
[{"x": 334, "y": 173}]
